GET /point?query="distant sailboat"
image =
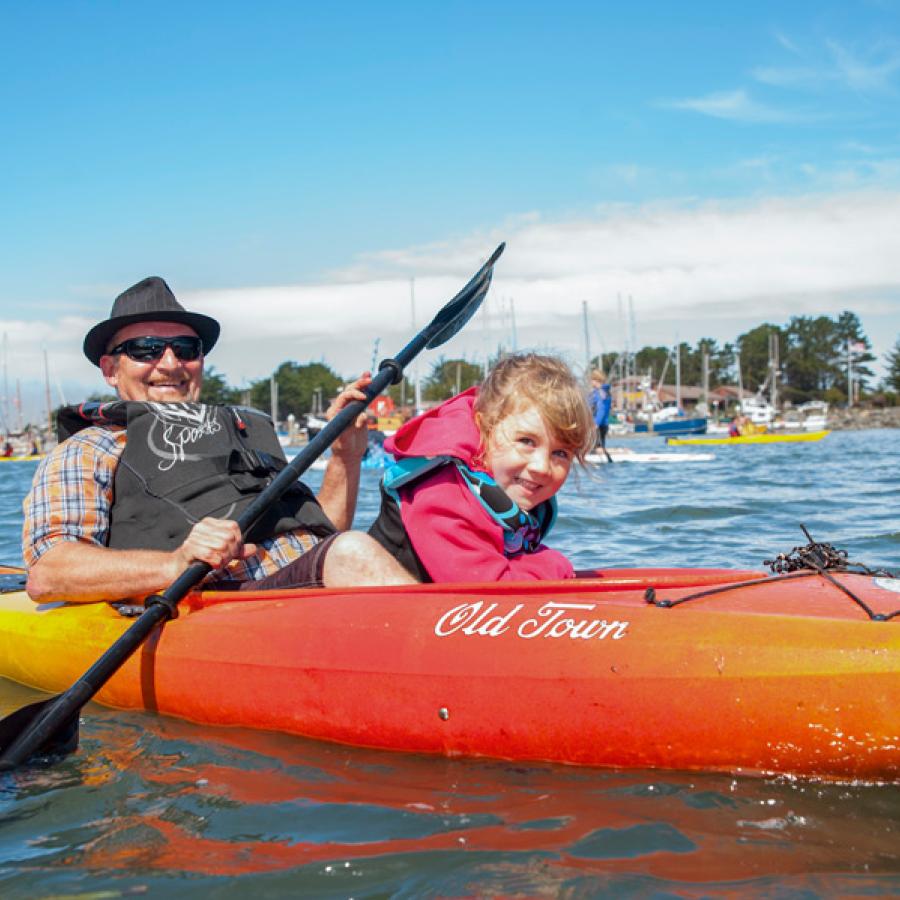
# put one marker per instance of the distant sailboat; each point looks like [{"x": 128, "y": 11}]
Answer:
[{"x": 668, "y": 420}]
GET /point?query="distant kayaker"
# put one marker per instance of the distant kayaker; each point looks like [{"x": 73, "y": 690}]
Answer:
[
  {"x": 738, "y": 426},
  {"x": 145, "y": 487},
  {"x": 472, "y": 494},
  {"x": 600, "y": 400}
]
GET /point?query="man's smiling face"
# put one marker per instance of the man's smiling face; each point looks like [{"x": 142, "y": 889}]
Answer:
[{"x": 164, "y": 380}]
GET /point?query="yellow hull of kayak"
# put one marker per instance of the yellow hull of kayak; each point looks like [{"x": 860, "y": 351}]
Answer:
[{"x": 766, "y": 438}]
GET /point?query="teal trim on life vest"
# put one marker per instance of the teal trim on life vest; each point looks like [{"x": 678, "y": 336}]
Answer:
[{"x": 523, "y": 531}]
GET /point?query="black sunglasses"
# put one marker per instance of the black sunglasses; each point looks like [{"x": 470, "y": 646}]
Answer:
[{"x": 149, "y": 349}]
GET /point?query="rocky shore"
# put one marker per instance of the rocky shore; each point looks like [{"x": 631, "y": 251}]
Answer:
[{"x": 858, "y": 417}]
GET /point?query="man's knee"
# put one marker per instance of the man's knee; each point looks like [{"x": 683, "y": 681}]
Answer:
[
  {"x": 350, "y": 546},
  {"x": 355, "y": 558}
]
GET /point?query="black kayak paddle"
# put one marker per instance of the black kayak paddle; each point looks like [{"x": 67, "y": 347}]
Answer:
[{"x": 50, "y": 727}]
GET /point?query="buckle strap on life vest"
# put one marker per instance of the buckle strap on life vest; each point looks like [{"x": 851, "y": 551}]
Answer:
[{"x": 254, "y": 462}]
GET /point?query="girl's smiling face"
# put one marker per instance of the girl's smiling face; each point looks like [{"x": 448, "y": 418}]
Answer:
[{"x": 528, "y": 462}]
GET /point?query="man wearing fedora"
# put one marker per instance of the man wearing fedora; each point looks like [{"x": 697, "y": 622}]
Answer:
[{"x": 144, "y": 487}]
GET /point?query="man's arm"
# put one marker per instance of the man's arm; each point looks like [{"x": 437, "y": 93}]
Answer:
[
  {"x": 66, "y": 523},
  {"x": 340, "y": 483},
  {"x": 80, "y": 571}
]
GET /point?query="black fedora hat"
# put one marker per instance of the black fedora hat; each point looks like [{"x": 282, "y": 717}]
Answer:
[{"x": 149, "y": 300}]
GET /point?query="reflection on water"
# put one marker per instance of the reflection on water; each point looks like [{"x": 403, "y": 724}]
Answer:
[
  {"x": 160, "y": 806},
  {"x": 148, "y": 798}
]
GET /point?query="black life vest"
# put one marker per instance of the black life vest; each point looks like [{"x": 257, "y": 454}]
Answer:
[
  {"x": 388, "y": 529},
  {"x": 185, "y": 461}
]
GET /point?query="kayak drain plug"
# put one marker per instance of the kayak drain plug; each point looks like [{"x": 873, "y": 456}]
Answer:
[{"x": 443, "y": 713}]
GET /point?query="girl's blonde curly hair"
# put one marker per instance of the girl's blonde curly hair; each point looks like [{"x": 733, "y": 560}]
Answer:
[{"x": 545, "y": 382}]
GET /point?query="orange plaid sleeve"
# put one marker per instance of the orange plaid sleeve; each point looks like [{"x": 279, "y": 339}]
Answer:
[{"x": 72, "y": 492}]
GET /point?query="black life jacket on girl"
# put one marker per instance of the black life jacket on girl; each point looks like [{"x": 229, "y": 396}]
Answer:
[
  {"x": 185, "y": 461},
  {"x": 523, "y": 531}
]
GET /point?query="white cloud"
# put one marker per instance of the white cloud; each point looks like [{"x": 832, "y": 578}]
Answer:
[
  {"x": 865, "y": 74},
  {"x": 868, "y": 70},
  {"x": 791, "y": 76},
  {"x": 736, "y": 106},
  {"x": 787, "y": 43},
  {"x": 712, "y": 269}
]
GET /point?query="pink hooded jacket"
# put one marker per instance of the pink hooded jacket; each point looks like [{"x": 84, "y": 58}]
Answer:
[{"x": 451, "y": 533}]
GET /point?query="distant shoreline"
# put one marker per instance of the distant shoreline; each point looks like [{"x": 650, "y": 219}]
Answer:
[{"x": 857, "y": 418}]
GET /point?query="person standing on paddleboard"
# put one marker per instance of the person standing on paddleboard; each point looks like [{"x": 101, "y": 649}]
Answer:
[
  {"x": 600, "y": 400},
  {"x": 142, "y": 488},
  {"x": 472, "y": 494}
]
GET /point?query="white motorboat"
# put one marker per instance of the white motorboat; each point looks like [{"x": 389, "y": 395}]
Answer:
[{"x": 758, "y": 410}]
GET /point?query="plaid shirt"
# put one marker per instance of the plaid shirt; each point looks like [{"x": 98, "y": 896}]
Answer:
[{"x": 72, "y": 495}]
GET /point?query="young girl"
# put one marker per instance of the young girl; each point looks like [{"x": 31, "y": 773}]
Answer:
[{"x": 472, "y": 494}]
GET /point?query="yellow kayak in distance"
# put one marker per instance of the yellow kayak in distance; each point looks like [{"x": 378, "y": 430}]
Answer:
[
  {"x": 31, "y": 457},
  {"x": 767, "y": 437}
]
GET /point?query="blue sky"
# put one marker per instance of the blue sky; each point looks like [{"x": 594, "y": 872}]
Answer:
[{"x": 280, "y": 162}]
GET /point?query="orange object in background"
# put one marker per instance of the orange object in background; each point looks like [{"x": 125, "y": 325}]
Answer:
[
  {"x": 384, "y": 415},
  {"x": 382, "y": 406}
]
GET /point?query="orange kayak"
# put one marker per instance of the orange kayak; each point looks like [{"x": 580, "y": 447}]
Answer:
[{"x": 773, "y": 675}]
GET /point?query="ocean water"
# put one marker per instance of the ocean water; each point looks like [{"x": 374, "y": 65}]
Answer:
[{"x": 159, "y": 807}]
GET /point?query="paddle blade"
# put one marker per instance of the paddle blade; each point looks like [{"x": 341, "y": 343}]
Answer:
[
  {"x": 62, "y": 741},
  {"x": 464, "y": 305}
]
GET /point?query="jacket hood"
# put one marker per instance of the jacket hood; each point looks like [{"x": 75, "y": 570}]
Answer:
[{"x": 446, "y": 430}]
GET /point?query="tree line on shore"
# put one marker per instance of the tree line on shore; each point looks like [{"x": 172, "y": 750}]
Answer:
[
  {"x": 305, "y": 388},
  {"x": 812, "y": 356}
]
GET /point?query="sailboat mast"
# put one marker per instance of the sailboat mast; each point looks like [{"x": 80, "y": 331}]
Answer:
[
  {"x": 632, "y": 340},
  {"x": 773, "y": 364},
  {"x": 849, "y": 376},
  {"x": 587, "y": 339},
  {"x": 6, "y": 380},
  {"x": 19, "y": 424},
  {"x": 47, "y": 394},
  {"x": 706, "y": 380},
  {"x": 677, "y": 373}
]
